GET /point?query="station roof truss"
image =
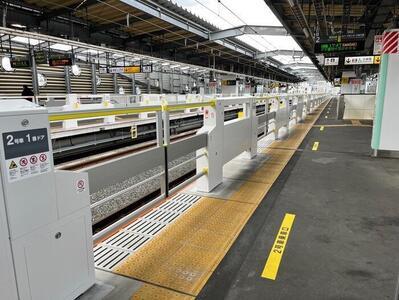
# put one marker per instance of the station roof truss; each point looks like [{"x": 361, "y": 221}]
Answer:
[
  {"x": 11, "y": 39},
  {"x": 156, "y": 27}
]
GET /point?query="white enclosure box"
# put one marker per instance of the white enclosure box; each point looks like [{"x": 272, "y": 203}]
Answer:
[{"x": 45, "y": 217}]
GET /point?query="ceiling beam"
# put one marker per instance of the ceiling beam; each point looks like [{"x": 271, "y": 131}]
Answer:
[
  {"x": 182, "y": 23},
  {"x": 294, "y": 53},
  {"x": 67, "y": 9},
  {"x": 300, "y": 65},
  {"x": 247, "y": 29},
  {"x": 321, "y": 17}
]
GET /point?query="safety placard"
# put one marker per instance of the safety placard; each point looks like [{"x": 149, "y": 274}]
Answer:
[
  {"x": 80, "y": 185},
  {"x": 26, "y": 153},
  {"x": 27, "y": 166}
]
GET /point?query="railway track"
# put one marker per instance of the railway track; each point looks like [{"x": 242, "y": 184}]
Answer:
[{"x": 81, "y": 163}]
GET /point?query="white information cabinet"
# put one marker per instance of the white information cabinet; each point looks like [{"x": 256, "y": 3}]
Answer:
[{"x": 45, "y": 218}]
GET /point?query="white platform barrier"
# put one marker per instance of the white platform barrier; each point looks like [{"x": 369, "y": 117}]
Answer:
[
  {"x": 74, "y": 102},
  {"x": 226, "y": 140}
]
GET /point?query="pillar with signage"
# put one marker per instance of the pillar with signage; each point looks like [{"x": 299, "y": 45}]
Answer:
[
  {"x": 386, "y": 121},
  {"x": 46, "y": 249}
]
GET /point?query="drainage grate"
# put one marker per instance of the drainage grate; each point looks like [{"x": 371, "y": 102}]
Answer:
[
  {"x": 116, "y": 248},
  {"x": 107, "y": 257}
]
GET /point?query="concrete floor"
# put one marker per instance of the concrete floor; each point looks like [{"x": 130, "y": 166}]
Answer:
[
  {"x": 110, "y": 286},
  {"x": 344, "y": 242}
]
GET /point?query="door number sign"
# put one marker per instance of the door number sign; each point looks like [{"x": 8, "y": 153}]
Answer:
[{"x": 26, "y": 153}]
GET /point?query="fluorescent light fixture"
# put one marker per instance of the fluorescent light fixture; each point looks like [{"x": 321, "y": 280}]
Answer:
[
  {"x": 24, "y": 40},
  {"x": 154, "y": 61},
  {"x": 61, "y": 47},
  {"x": 92, "y": 51},
  {"x": 18, "y": 26},
  {"x": 306, "y": 32},
  {"x": 6, "y": 64},
  {"x": 166, "y": 64},
  {"x": 184, "y": 68},
  {"x": 76, "y": 70},
  {"x": 175, "y": 66}
]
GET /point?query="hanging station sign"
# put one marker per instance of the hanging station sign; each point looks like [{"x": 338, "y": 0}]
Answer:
[
  {"x": 41, "y": 57},
  {"x": 146, "y": 68},
  {"x": 339, "y": 47},
  {"x": 60, "y": 60},
  {"x": 229, "y": 82},
  {"x": 126, "y": 70},
  {"x": 378, "y": 44},
  {"x": 362, "y": 60},
  {"x": 341, "y": 38},
  {"x": 20, "y": 62},
  {"x": 331, "y": 61}
]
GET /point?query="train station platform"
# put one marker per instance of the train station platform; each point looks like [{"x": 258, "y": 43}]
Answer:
[{"x": 313, "y": 216}]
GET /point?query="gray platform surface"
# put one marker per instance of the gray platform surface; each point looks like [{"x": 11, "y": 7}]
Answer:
[{"x": 344, "y": 242}]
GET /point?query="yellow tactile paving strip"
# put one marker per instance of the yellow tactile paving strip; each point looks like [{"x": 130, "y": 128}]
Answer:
[
  {"x": 185, "y": 254},
  {"x": 149, "y": 291}
]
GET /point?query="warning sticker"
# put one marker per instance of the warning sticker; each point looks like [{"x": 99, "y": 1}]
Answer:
[
  {"x": 80, "y": 185},
  {"x": 13, "y": 165},
  {"x": 27, "y": 166}
]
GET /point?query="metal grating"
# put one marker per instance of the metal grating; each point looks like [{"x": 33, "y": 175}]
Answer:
[{"x": 116, "y": 248}]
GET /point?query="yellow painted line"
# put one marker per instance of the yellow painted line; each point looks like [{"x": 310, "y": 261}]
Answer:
[
  {"x": 99, "y": 114},
  {"x": 188, "y": 105},
  {"x": 315, "y": 146},
  {"x": 322, "y": 128},
  {"x": 127, "y": 111},
  {"x": 276, "y": 253}
]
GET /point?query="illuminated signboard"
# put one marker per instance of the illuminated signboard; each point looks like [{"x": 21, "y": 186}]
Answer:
[
  {"x": 41, "y": 57},
  {"x": 339, "y": 47},
  {"x": 132, "y": 70},
  {"x": 57, "y": 61},
  {"x": 229, "y": 82},
  {"x": 20, "y": 62},
  {"x": 127, "y": 70},
  {"x": 146, "y": 68}
]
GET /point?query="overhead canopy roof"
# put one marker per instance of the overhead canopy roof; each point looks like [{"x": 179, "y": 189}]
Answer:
[
  {"x": 158, "y": 27},
  {"x": 317, "y": 21}
]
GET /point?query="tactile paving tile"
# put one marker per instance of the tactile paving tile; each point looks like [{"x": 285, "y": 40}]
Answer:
[
  {"x": 183, "y": 256},
  {"x": 251, "y": 192},
  {"x": 113, "y": 250},
  {"x": 189, "y": 257},
  {"x": 149, "y": 291}
]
